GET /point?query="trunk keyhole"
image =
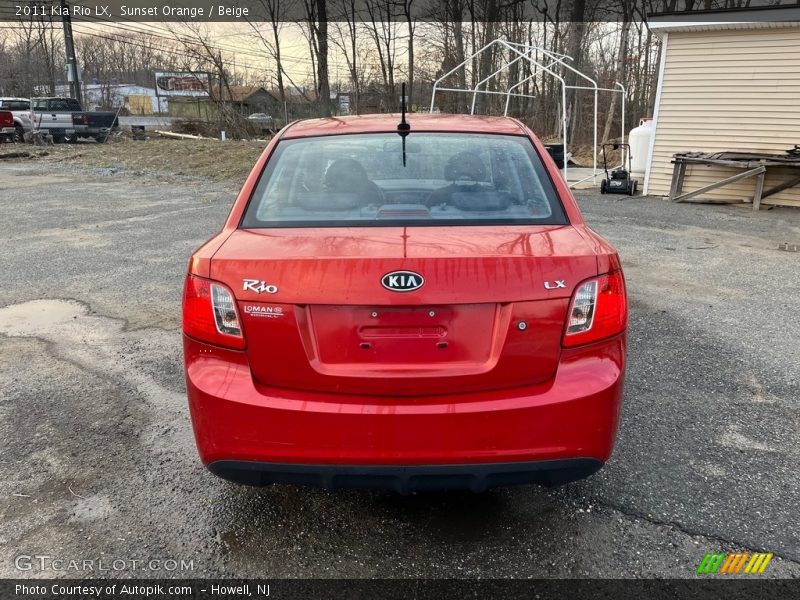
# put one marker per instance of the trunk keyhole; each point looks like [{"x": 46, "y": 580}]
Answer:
[
  {"x": 441, "y": 345},
  {"x": 366, "y": 345}
]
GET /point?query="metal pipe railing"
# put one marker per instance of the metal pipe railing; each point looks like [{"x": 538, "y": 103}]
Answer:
[{"x": 524, "y": 52}]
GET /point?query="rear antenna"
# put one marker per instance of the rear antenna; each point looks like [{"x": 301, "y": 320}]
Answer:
[{"x": 403, "y": 127}]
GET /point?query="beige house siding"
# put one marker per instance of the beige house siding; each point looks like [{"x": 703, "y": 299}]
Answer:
[{"x": 728, "y": 90}]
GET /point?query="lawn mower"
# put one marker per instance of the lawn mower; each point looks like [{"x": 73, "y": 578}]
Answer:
[{"x": 619, "y": 180}]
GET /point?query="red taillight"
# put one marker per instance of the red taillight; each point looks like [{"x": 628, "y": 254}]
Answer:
[
  {"x": 210, "y": 314},
  {"x": 598, "y": 310},
  {"x": 85, "y": 119}
]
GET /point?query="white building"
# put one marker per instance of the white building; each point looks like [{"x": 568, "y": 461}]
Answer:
[
  {"x": 729, "y": 81},
  {"x": 139, "y": 100}
]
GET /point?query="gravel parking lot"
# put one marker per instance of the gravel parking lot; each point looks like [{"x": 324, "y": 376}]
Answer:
[{"x": 99, "y": 459}]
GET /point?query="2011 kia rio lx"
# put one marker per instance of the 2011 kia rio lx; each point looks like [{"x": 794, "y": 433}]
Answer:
[{"x": 408, "y": 308}]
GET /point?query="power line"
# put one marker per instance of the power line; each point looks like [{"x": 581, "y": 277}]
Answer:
[
  {"x": 89, "y": 30},
  {"x": 87, "y": 26},
  {"x": 172, "y": 35},
  {"x": 197, "y": 43}
]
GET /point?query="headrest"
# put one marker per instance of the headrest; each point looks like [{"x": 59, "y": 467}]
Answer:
[
  {"x": 465, "y": 165},
  {"x": 345, "y": 174}
]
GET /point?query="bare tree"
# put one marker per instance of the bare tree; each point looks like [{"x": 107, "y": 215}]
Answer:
[
  {"x": 456, "y": 14},
  {"x": 317, "y": 28},
  {"x": 347, "y": 18},
  {"x": 277, "y": 11},
  {"x": 202, "y": 55},
  {"x": 38, "y": 55},
  {"x": 408, "y": 14},
  {"x": 622, "y": 54},
  {"x": 383, "y": 30},
  {"x": 577, "y": 30}
]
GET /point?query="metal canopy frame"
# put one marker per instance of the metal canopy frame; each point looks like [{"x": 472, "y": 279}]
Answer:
[{"x": 531, "y": 55}]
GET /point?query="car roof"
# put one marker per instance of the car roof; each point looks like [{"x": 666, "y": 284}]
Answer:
[
  {"x": 3, "y": 98},
  {"x": 419, "y": 122}
]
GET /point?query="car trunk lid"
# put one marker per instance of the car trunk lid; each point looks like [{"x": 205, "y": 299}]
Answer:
[{"x": 489, "y": 315}]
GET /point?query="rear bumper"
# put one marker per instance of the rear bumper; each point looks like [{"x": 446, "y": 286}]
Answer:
[
  {"x": 255, "y": 434},
  {"x": 408, "y": 479},
  {"x": 94, "y": 131},
  {"x": 56, "y": 130}
]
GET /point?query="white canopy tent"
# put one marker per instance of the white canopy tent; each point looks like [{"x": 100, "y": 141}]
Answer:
[{"x": 543, "y": 62}]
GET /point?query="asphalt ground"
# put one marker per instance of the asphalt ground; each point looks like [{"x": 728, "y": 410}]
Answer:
[{"x": 99, "y": 460}]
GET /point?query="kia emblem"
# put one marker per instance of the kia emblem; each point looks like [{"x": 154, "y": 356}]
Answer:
[{"x": 402, "y": 281}]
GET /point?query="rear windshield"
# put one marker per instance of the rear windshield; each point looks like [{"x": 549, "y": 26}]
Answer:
[
  {"x": 447, "y": 178},
  {"x": 15, "y": 104},
  {"x": 56, "y": 104}
]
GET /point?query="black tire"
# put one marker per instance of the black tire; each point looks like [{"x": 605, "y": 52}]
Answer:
[
  {"x": 603, "y": 186},
  {"x": 58, "y": 139},
  {"x": 19, "y": 135}
]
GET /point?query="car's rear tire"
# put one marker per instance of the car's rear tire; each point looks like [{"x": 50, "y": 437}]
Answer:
[
  {"x": 19, "y": 135},
  {"x": 603, "y": 186}
]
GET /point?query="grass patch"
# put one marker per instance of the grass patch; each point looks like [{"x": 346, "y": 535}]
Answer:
[{"x": 206, "y": 159}]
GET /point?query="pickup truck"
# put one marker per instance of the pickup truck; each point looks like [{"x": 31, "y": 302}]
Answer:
[
  {"x": 20, "y": 109},
  {"x": 64, "y": 119}
]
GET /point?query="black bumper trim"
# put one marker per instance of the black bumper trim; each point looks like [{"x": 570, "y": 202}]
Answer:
[{"x": 406, "y": 479}]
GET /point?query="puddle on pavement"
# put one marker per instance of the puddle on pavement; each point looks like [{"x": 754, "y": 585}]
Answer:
[
  {"x": 97, "y": 344},
  {"x": 34, "y": 319},
  {"x": 9, "y": 181}
]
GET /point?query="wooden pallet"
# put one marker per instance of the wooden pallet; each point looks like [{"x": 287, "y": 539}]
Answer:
[{"x": 754, "y": 165}]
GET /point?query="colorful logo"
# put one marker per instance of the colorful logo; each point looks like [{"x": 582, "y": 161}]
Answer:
[{"x": 734, "y": 563}]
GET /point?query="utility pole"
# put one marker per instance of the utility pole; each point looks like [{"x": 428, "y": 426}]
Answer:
[{"x": 69, "y": 46}]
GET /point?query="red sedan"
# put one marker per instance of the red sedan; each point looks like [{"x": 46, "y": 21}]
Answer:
[{"x": 410, "y": 309}]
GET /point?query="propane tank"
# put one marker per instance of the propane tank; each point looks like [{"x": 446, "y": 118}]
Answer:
[{"x": 639, "y": 139}]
